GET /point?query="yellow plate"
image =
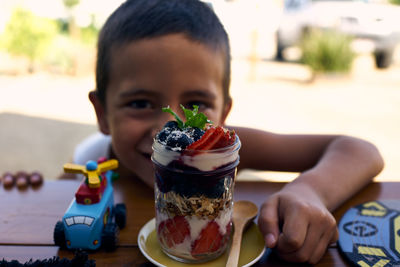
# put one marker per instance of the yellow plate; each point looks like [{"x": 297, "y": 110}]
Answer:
[{"x": 253, "y": 247}]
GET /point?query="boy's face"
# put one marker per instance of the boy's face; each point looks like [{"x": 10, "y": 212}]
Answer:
[{"x": 147, "y": 75}]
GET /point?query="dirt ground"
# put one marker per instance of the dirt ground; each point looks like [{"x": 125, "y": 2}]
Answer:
[{"x": 44, "y": 116}]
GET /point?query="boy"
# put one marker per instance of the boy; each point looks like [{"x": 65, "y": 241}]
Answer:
[{"x": 157, "y": 53}]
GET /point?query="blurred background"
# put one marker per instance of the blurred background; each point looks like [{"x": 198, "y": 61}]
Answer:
[{"x": 298, "y": 66}]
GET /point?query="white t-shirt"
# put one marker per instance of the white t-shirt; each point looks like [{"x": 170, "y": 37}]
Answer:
[{"x": 92, "y": 148}]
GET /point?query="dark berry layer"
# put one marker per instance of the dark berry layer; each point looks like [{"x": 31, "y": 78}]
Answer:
[{"x": 190, "y": 181}]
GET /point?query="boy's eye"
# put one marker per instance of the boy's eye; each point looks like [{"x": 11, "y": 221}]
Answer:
[{"x": 140, "y": 104}]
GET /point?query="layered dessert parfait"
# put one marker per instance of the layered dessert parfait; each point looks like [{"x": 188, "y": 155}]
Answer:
[{"x": 195, "y": 167}]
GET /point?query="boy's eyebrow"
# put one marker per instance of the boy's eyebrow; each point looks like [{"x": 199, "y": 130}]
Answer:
[
  {"x": 196, "y": 92},
  {"x": 138, "y": 91},
  {"x": 200, "y": 93}
]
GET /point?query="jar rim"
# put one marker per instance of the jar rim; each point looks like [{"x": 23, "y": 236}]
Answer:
[
  {"x": 228, "y": 167},
  {"x": 237, "y": 143}
]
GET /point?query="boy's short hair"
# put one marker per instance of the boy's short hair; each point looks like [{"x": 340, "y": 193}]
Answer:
[{"x": 144, "y": 19}]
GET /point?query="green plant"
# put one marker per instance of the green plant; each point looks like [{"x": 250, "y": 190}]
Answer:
[
  {"x": 89, "y": 35},
  {"x": 28, "y": 35},
  {"x": 395, "y": 2},
  {"x": 327, "y": 51},
  {"x": 71, "y": 3}
]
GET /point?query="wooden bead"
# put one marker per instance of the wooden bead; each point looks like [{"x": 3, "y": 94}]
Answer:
[
  {"x": 8, "y": 180},
  {"x": 36, "y": 179},
  {"x": 21, "y": 174},
  {"x": 22, "y": 182}
]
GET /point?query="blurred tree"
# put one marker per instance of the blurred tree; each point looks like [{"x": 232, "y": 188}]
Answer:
[
  {"x": 72, "y": 28},
  {"x": 28, "y": 35},
  {"x": 396, "y": 2},
  {"x": 70, "y": 3},
  {"x": 90, "y": 33}
]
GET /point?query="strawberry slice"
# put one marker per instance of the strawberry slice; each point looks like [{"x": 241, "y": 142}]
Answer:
[
  {"x": 214, "y": 137},
  {"x": 210, "y": 240},
  {"x": 173, "y": 231},
  {"x": 227, "y": 140},
  {"x": 204, "y": 141}
]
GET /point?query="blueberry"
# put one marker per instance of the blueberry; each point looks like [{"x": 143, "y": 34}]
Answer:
[
  {"x": 162, "y": 136},
  {"x": 197, "y": 133},
  {"x": 217, "y": 190},
  {"x": 166, "y": 131},
  {"x": 185, "y": 189},
  {"x": 163, "y": 182},
  {"x": 178, "y": 139},
  {"x": 172, "y": 125},
  {"x": 214, "y": 193},
  {"x": 194, "y": 133}
]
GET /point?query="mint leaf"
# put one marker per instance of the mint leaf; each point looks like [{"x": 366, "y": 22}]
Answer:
[
  {"x": 199, "y": 121},
  {"x": 178, "y": 120},
  {"x": 189, "y": 114},
  {"x": 193, "y": 118}
]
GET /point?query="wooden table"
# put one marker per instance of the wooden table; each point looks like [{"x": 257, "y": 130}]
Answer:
[{"x": 27, "y": 219}]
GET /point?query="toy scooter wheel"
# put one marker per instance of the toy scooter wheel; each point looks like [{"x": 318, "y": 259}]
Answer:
[
  {"x": 110, "y": 237},
  {"x": 120, "y": 215},
  {"x": 59, "y": 235}
]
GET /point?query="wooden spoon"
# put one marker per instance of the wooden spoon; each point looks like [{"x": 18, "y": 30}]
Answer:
[{"x": 243, "y": 213}]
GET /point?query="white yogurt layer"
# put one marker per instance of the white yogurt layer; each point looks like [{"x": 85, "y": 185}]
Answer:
[
  {"x": 223, "y": 220},
  {"x": 196, "y": 225},
  {"x": 183, "y": 249}
]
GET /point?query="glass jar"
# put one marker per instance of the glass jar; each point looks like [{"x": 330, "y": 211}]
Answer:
[{"x": 194, "y": 200}]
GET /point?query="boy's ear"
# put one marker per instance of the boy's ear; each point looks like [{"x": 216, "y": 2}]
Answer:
[
  {"x": 100, "y": 112},
  {"x": 226, "y": 110}
]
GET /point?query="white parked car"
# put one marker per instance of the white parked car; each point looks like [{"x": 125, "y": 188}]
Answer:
[{"x": 370, "y": 21}]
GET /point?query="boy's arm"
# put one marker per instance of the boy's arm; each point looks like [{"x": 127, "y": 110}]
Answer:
[
  {"x": 335, "y": 166},
  {"x": 296, "y": 221}
]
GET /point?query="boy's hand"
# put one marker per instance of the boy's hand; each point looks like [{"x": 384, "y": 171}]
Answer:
[
  {"x": 296, "y": 224},
  {"x": 21, "y": 179}
]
